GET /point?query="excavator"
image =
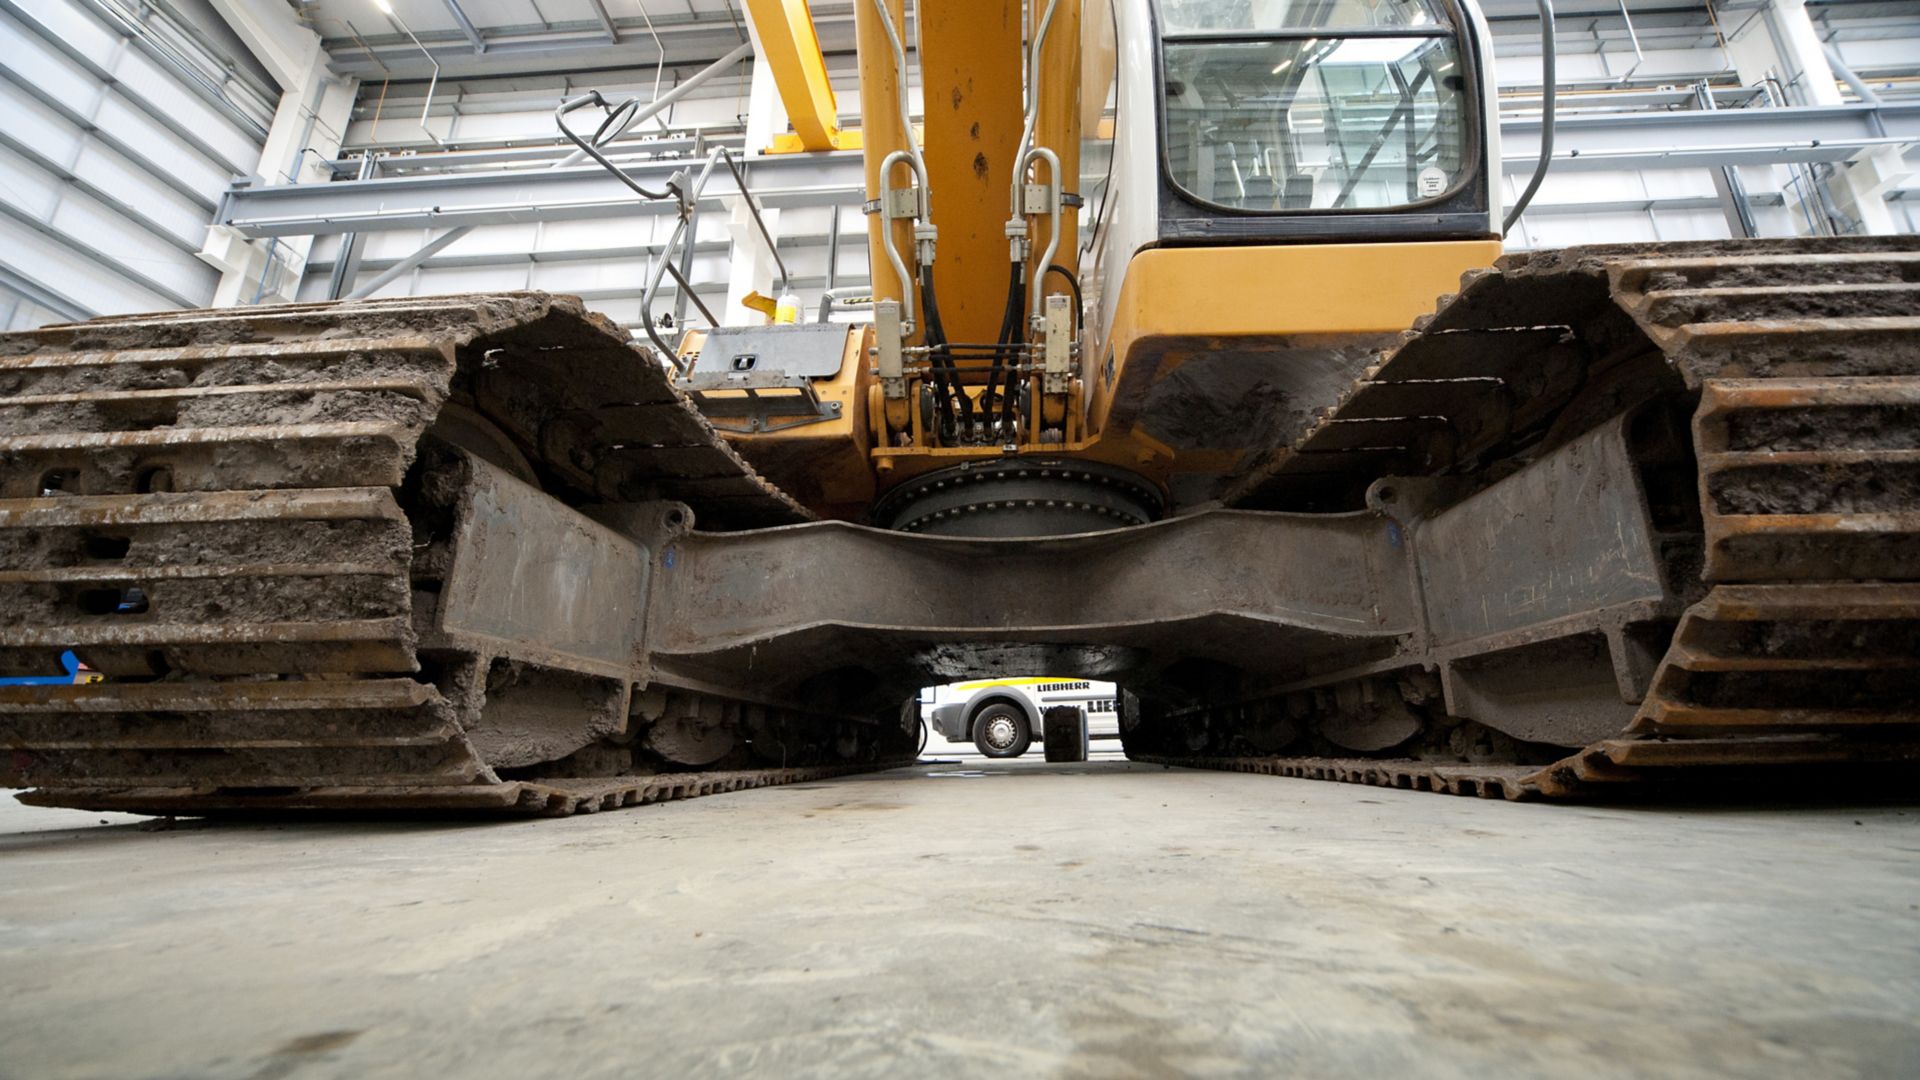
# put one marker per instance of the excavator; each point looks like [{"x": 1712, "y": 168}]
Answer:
[{"x": 1191, "y": 360}]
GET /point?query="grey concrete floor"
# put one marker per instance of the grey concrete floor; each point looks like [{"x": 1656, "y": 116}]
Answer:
[{"x": 1104, "y": 920}]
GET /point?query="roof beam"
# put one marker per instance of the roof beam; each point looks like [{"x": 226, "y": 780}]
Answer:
[
  {"x": 606, "y": 21},
  {"x": 784, "y": 38},
  {"x": 466, "y": 26},
  {"x": 1664, "y": 140},
  {"x": 509, "y": 196}
]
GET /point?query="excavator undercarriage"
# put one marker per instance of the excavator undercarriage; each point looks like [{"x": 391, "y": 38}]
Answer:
[
  {"x": 1609, "y": 515},
  {"x": 346, "y": 556},
  {"x": 1698, "y": 553}
]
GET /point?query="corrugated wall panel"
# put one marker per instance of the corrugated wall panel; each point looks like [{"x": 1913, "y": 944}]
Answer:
[{"x": 112, "y": 158}]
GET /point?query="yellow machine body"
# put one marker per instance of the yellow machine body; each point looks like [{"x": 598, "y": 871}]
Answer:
[
  {"x": 1284, "y": 318},
  {"x": 824, "y": 460},
  {"x": 1209, "y": 356}
]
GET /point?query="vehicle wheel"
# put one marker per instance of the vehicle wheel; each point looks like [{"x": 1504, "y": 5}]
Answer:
[
  {"x": 1001, "y": 731},
  {"x": 1063, "y": 730},
  {"x": 912, "y": 719}
]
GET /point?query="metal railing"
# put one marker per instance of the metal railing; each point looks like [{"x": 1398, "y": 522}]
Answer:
[{"x": 687, "y": 189}]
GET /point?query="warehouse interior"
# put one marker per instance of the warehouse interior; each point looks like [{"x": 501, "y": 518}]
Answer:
[
  {"x": 1426, "y": 579},
  {"x": 188, "y": 154}
]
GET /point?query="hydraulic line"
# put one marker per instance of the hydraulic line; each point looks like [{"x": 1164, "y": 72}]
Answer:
[
  {"x": 918, "y": 162},
  {"x": 1547, "y": 102},
  {"x": 1012, "y": 333},
  {"x": 946, "y": 376},
  {"x": 1079, "y": 301},
  {"x": 1053, "y": 228},
  {"x": 894, "y": 257},
  {"x": 1033, "y": 105},
  {"x": 936, "y": 355},
  {"x": 1004, "y": 344},
  {"x": 900, "y": 68}
]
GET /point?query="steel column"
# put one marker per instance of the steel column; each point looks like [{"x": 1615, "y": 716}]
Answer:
[
  {"x": 346, "y": 266},
  {"x": 791, "y": 50}
]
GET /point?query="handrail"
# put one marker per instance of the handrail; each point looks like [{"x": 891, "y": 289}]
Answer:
[
  {"x": 1548, "y": 88},
  {"x": 617, "y": 117},
  {"x": 689, "y": 196},
  {"x": 686, "y": 195},
  {"x": 662, "y": 101}
]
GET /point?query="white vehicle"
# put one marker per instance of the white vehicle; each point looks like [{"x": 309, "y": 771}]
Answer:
[{"x": 1003, "y": 717}]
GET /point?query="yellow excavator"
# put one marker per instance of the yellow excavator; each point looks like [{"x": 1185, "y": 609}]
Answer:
[{"x": 1190, "y": 360}]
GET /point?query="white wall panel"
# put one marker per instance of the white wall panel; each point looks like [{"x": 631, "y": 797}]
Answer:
[
  {"x": 36, "y": 197},
  {"x": 33, "y": 120},
  {"x": 180, "y": 158},
  {"x": 66, "y": 271},
  {"x": 42, "y": 136},
  {"x": 164, "y": 208},
  {"x": 111, "y": 162},
  {"x": 143, "y": 79},
  {"x": 19, "y": 313}
]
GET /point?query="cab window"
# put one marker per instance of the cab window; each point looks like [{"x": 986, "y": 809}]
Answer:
[{"x": 1288, "y": 106}]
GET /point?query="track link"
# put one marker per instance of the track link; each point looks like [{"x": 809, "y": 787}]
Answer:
[
  {"x": 233, "y": 517},
  {"x": 546, "y": 798},
  {"x": 1510, "y": 782},
  {"x": 1803, "y": 358}
]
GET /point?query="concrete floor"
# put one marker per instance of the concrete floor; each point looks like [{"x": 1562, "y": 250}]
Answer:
[{"x": 1104, "y": 920}]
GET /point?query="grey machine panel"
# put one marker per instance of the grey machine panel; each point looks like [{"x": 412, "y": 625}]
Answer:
[{"x": 810, "y": 350}]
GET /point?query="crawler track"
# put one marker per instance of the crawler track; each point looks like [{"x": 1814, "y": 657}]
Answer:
[
  {"x": 1799, "y": 645},
  {"x": 544, "y": 798},
  {"x": 246, "y": 520},
  {"x": 336, "y": 556}
]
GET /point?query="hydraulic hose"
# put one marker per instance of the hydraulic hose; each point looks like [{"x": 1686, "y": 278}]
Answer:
[
  {"x": 1005, "y": 340},
  {"x": 1079, "y": 302},
  {"x": 1546, "y": 117},
  {"x": 1012, "y": 333},
  {"x": 946, "y": 376}
]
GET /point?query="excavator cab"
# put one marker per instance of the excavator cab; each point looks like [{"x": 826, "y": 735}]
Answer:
[{"x": 1288, "y": 186}]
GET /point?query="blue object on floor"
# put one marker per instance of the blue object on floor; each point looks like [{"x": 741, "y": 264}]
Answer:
[{"x": 73, "y": 675}]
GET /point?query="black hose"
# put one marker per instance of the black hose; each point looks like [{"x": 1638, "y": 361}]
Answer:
[
  {"x": 1011, "y": 333},
  {"x": 936, "y": 339},
  {"x": 1008, "y": 314},
  {"x": 1079, "y": 302},
  {"x": 1546, "y": 116}
]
